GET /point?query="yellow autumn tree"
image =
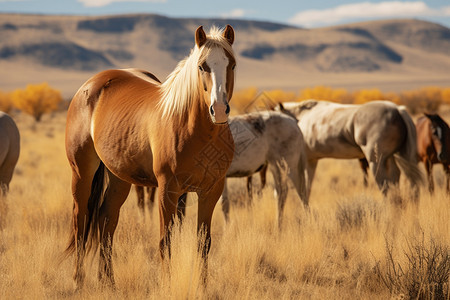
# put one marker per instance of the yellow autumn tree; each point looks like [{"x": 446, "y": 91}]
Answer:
[
  {"x": 5, "y": 102},
  {"x": 364, "y": 96},
  {"x": 426, "y": 99},
  {"x": 280, "y": 96},
  {"x": 446, "y": 95},
  {"x": 243, "y": 98},
  {"x": 37, "y": 99}
]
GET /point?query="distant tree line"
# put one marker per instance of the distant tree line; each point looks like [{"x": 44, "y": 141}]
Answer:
[
  {"x": 39, "y": 99},
  {"x": 426, "y": 99}
]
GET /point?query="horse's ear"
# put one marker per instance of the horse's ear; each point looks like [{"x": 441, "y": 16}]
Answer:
[
  {"x": 428, "y": 115},
  {"x": 200, "y": 36},
  {"x": 229, "y": 34}
]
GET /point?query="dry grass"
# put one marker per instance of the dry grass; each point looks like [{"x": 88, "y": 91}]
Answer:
[{"x": 336, "y": 250}]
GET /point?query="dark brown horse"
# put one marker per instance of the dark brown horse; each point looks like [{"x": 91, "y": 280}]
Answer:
[
  {"x": 433, "y": 146},
  {"x": 9, "y": 151},
  {"x": 125, "y": 127}
]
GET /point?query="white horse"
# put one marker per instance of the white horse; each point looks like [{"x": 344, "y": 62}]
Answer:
[
  {"x": 270, "y": 139},
  {"x": 9, "y": 150},
  {"x": 379, "y": 131}
]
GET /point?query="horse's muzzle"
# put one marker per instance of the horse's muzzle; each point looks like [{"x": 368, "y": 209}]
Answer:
[{"x": 219, "y": 113}]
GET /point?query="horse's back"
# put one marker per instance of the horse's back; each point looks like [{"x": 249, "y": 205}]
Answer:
[{"x": 327, "y": 128}]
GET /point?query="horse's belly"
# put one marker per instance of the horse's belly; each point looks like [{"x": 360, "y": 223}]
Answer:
[
  {"x": 247, "y": 161},
  {"x": 334, "y": 149},
  {"x": 130, "y": 167}
]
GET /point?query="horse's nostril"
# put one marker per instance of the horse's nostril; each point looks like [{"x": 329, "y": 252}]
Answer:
[
  {"x": 227, "y": 111},
  {"x": 211, "y": 110}
]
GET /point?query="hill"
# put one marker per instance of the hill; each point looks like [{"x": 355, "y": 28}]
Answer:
[{"x": 66, "y": 50}]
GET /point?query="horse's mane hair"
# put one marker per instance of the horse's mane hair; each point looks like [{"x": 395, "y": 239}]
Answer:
[{"x": 184, "y": 84}]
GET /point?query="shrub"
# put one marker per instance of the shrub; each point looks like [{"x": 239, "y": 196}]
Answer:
[
  {"x": 37, "y": 99},
  {"x": 425, "y": 275}
]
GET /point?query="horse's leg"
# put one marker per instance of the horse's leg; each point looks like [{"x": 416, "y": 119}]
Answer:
[
  {"x": 151, "y": 198},
  {"x": 140, "y": 192},
  {"x": 115, "y": 196},
  {"x": 206, "y": 203},
  {"x": 280, "y": 188},
  {"x": 262, "y": 176},
  {"x": 225, "y": 201},
  {"x": 168, "y": 195},
  {"x": 364, "y": 166},
  {"x": 249, "y": 187},
  {"x": 297, "y": 176},
  {"x": 429, "y": 170},
  {"x": 84, "y": 163},
  {"x": 311, "y": 167},
  {"x": 181, "y": 207}
]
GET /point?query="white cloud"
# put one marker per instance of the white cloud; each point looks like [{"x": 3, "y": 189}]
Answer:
[
  {"x": 100, "y": 3},
  {"x": 235, "y": 13},
  {"x": 366, "y": 10}
]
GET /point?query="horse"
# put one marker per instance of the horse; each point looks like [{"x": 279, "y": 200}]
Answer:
[
  {"x": 125, "y": 127},
  {"x": 268, "y": 139},
  {"x": 9, "y": 151},
  {"x": 379, "y": 132},
  {"x": 433, "y": 145}
]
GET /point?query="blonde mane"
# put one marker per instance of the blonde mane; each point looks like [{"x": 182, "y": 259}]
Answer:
[{"x": 183, "y": 86}]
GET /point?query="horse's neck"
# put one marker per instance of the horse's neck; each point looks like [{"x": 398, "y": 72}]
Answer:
[{"x": 199, "y": 120}]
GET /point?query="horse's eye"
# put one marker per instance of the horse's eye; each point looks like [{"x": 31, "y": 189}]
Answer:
[{"x": 200, "y": 68}]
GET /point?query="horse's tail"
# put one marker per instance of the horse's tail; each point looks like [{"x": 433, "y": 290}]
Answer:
[
  {"x": 407, "y": 157},
  {"x": 91, "y": 229}
]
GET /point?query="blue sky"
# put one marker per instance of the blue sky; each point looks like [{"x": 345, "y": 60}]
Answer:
[{"x": 302, "y": 13}]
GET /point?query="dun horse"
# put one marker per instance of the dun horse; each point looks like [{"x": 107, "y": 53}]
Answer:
[
  {"x": 127, "y": 127},
  {"x": 379, "y": 131},
  {"x": 9, "y": 151},
  {"x": 268, "y": 139},
  {"x": 433, "y": 144}
]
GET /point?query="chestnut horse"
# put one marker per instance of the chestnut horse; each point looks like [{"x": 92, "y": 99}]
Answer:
[
  {"x": 378, "y": 132},
  {"x": 433, "y": 145},
  {"x": 9, "y": 151},
  {"x": 124, "y": 127}
]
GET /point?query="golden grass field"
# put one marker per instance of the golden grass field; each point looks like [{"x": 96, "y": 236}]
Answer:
[{"x": 338, "y": 250}]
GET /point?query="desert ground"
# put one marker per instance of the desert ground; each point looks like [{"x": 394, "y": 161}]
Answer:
[{"x": 351, "y": 244}]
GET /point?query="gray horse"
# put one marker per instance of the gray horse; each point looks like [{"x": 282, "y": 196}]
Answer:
[
  {"x": 9, "y": 150},
  {"x": 379, "y": 131},
  {"x": 268, "y": 139}
]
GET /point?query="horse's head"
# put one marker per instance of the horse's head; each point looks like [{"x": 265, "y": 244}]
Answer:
[
  {"x": 440, "y": 135},
  {"x": 216, "y": 67}
]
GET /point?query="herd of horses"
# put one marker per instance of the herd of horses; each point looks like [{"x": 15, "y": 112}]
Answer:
[{"x": 125, "y": 127}]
